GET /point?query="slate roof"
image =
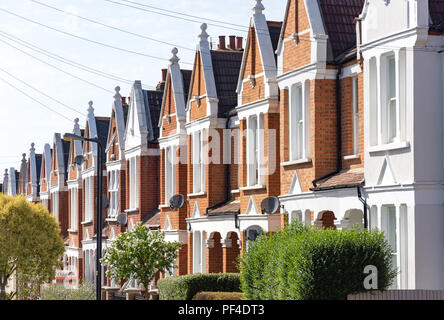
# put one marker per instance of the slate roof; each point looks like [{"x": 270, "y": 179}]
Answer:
[
  {"x": 38, "y": 164},
  {"x": 344, "y": 178},
  {"x": 226, "y": 66},
  {"x": 153, "y": 104},
  {"x": 230, "y": 207},
  {"x": 436, "y": 9},
  {"x": 152, "y": 220},
  {"x": 274, "y": 28},
  {"x": 186, "y": 75},
  {"x": 66, "y": 147},
  {"x": 338, "y": 17},
  {"x": 102, "y": 124}
]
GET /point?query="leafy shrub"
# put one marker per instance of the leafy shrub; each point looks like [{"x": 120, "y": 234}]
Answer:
[
  {"x": 227, "y": 296},
  {"x": 301, "y": 263},
  {"x": 186, "y": 287},
  {"x": 85, "y": 291}
]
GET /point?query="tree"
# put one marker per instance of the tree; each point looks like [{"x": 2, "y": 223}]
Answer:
[
  {"x": 30, "y": 244},
  {"x": 140, "y": 254}
]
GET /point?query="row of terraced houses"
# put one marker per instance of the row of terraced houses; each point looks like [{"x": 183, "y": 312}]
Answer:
[{"x": 337, "y": 111}]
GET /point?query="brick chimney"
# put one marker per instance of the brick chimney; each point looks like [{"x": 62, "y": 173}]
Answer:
[
  {"x": 240, "y": 43},
  {"x": 164, "y": 74},
  {"x": 232, "y": 42},
  {"x": 222, "y": 43}
]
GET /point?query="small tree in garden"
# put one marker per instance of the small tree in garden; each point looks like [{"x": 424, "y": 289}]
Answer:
[
  {"x": 140, "y": 254},
  {"x": 30, "y": 246}
]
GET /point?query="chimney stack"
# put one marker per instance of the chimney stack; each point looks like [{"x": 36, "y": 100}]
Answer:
[
  {"x": 222, "y": 42},
  {"x": 164, "y": 74},
  {"x": 232, "y": 42},
  {"x": 240, "y": 43}
]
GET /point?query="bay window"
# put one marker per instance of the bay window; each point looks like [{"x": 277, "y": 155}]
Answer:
[
  {"x": 299, "y": 121},
  {"x": 113, "y": 189},
  {"x": 55, "y": 205},
  {"x": 170, "y": 173},
  {"x": 74, "y": 208},
  {"x": 133, "y": 184},
  {"x": 355, "y": 102},
  {"x": 198, "y": 162},
  {"x": 255, "y": 151}
]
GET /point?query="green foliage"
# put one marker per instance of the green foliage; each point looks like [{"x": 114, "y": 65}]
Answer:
[
  {"x": 221, "y": 296},
  {"x": 140, "y": 254},
  {"x": 302, "y": 263},
  {"x": 30, "y": 245},
  {"x": 85, "y": 291},
  {"x": 186, "y": 287}
]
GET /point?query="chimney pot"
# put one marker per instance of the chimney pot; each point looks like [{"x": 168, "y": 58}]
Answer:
[
  {"x": 164, "y": 74},
  {"x": 123, "y": 100},
  {"x": 240, "y": 43},
  {"x": 232, "y": 42},
  {"x": 222, "y": 42}
]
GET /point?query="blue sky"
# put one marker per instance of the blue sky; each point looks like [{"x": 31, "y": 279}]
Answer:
[{"x": 23, "y": 121}]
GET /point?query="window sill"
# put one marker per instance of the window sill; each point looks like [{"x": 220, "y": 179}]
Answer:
[
  {"x": 352, "y": 157},
  {"x": 194, "y": 195},
  {"x": 86, "y": 222},
  {"x": 72, "y": 230},
  {"x": 111, "y": 219},
  {"x": 235, "y": 191},
  {"x": 389, "y": 147},
  {"x": 164, "y": 206},
  {"x": 131, "y": 210},
  {"x": 295, "y": 162},
  {"x": 253, "y": 188}
]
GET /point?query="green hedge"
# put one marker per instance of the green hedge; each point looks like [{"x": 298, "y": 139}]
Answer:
[
  {"x": 302, "y": 263},
  {"x": 220, "y": 296},
  {"x": 186, "y": 287}
]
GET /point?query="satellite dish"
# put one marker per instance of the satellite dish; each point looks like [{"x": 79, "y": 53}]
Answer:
[
  {"x": 253, "y": 233},
  {"x": 270, "y": 205},
  {"x": 105, "y": 201},
  {"x": 79, "y": 160},
  {"x": 177, "y": 201},
  {"x": 122, "y": 219}
]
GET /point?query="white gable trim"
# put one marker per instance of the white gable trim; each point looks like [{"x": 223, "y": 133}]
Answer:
[{"x": 252, "y": 208}]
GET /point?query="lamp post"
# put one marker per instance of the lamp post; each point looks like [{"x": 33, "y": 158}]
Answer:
[{"x": 72, "y": 137}]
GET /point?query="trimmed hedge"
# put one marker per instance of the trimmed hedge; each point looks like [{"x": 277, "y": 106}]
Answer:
[
  {"x": 186, "y": 287},
  {"x": 302, "y": 263},
  {"x": 220, "y": 296}
]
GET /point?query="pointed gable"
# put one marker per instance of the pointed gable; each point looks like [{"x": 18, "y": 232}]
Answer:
[
  {"x": 175, "y": 96},
  {"x": 75, "y": 150},
  {"x": 257, "y": 78},
  {"x": 143, "y": 116},
  {"x": 96, "y": 127},
  {"x": 59, "y": 161},
  {"x": 115, "y": 145},
  {"x": 45, "y": 175},
  {"x": 33, "y": 173}
]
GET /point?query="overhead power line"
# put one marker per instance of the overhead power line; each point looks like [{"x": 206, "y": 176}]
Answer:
[
  {"x": 41, "y": 92},
  {"x": 112, "y": 27},
  {"x": 57, "y": 68},
  {"x": 85, "y": 39},
  {"x": 67, "y": 61},
  {"x": 35, "y": 100}
]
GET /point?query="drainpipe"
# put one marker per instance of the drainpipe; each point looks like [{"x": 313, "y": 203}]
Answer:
[
  {"x": 227, "y": 173},
  {"x": 338, "y": 129},
  {"x": 364, "y": 202}
]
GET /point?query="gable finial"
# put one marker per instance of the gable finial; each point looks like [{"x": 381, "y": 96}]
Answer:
[
  {"x": 204, "y": 35},
  {"x": 259, "y": 7},
  {"x": 117, "y": 96},
  {"x": 90, "y": 109},
  {"x": 24, "y": 157},
  {"x": 32, "y": 147},
  {"x": 174, "y": 59}
]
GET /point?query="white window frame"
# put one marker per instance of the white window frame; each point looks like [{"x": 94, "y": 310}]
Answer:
[
  {"x": 170, "y": 173},
  {"x": 299, "y": 121},
  {"x": 355, "y": 114},
  {"x": 55, "y": 204},
  {"x": 198, "y": 145},
  {"x": 133, "y": 184},
  {"x": 88, "y": 205},
  {"x": 255, "y": 150},
  {"x": 74, "y": 208},
  {"x": 113, "y": 189}
]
